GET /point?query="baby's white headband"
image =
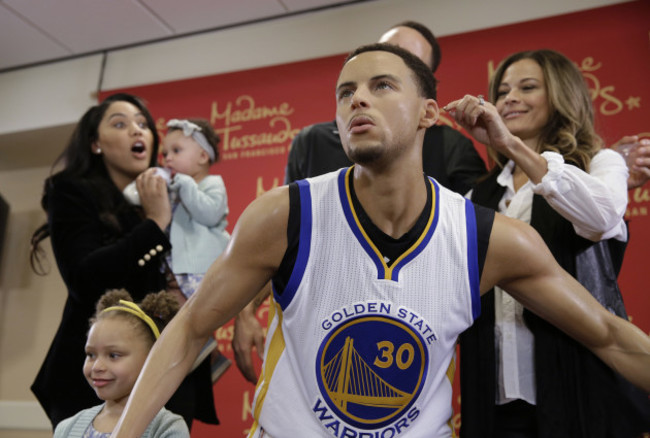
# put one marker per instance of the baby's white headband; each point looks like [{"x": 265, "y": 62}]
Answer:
[{"x": 193, "y": 130}]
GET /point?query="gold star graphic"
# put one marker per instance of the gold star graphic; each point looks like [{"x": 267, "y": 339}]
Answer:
[{"x": 633, "y": 102}]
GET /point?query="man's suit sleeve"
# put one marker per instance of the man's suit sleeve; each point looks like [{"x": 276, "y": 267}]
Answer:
[
  {"x": 295, "y": 163},
  {"x": 464, "y": 164}
]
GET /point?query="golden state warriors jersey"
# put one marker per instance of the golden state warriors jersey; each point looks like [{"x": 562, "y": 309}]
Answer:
[{"x": 359, "y": 349}]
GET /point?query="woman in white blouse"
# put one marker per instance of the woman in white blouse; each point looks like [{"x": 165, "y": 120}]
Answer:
[{"x": 520, "y": 377}]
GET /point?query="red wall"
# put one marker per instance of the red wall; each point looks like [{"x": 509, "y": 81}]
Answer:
[{"x": 257, "y": 113}]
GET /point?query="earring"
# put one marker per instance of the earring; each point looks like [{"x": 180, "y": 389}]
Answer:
[{"x": 98, "y": 151}]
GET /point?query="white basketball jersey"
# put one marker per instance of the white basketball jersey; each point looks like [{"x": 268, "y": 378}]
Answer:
[{"x": 356, "y": 348}]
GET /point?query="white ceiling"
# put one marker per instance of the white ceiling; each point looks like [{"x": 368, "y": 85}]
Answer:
[{"x": 36, "y": 31}]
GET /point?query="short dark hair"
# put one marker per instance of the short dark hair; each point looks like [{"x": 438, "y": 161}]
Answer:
[
  {"x": 426, "y": 33},
  {"x": 425, "y": 81}
]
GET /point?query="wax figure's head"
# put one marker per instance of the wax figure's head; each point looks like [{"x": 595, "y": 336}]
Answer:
[
  {"x": 385, "y": 100},
  {"x": 190, "y": 146},
  {"x": 120, "y": 337},
  {"x": 543, "y": 98},
  {"x": 417, "y": 39},
  {"x": 115, "y": 139}
]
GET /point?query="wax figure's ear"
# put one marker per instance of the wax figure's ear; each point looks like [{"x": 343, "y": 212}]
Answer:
[{"x": 429, "y": 114}]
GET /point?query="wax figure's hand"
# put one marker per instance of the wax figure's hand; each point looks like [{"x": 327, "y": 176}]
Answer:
[
  {"x": 637, "y": 158},
  {"x": 482, "y": 121},
  {"x": 248, "y": 333},
  {"x": 154, "y": 197}
]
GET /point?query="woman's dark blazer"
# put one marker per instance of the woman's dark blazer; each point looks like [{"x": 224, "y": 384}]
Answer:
[{"x": 96, "y": 252}]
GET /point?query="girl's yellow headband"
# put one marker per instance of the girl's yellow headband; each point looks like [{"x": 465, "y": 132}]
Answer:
[{"x": 132, "y": 308}]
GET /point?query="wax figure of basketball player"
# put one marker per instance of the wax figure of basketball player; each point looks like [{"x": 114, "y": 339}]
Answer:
[{"x": 387, "y": 271}]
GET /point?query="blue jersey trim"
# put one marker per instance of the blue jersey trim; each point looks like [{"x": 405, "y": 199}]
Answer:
[
  {"x": 304, "y": 245},
  {"x": 472, "y": 258}
]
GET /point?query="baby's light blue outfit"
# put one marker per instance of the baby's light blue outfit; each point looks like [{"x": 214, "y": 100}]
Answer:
[{"x": 198, "y": 228}]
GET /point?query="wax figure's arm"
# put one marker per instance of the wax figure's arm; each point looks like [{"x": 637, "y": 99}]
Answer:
[
  {"x": 640, "y": 164},
  {"x": 206, "y": 202},
  {"x": 248, "y": 333},
  {"x": 520, "y": 263},
  {"x": 248, "y": 263}
]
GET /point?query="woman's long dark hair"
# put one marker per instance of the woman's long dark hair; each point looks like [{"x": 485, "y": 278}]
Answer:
[{"x": 88, "y": 169}]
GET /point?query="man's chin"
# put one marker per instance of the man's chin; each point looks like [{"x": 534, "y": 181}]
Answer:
[{"x": 366, "y": 155}]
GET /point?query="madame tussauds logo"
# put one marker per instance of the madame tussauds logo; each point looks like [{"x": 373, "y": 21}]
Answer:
[
  {"x": 370, "y": 371},
  {"x": 245, "y": 110}
]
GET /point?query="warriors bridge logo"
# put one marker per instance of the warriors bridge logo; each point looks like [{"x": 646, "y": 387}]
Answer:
[{"x": 370, "y": 370}]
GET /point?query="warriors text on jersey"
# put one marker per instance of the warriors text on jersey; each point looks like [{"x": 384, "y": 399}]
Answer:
[{"x": 360, "y": 348}]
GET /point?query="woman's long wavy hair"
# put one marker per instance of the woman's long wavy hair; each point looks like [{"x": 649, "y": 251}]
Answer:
[
  {"x": 570, "y": 128},
  {"x": 79, "y": 163}
]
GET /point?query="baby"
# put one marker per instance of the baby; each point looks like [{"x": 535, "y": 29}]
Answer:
[{"x": 198, "y": 228}]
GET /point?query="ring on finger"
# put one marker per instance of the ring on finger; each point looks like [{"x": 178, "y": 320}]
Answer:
[{"x": 481, "y": 100}]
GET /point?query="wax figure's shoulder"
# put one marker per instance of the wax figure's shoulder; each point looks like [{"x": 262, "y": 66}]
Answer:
[
  {"x": 515, "y": 250},
  {"x": 512, "y": 233},
  {"x": 270, "y": 208}
]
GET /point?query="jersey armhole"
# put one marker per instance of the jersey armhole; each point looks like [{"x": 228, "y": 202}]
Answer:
[
  {"x": 292, "y": 267},
  {"x": 479, "y": 226}
]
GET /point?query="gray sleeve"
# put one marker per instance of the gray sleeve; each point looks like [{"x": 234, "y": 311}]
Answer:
[
  {"x": 206, "y": 203},
  {"x": 166, "y": 424}
]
